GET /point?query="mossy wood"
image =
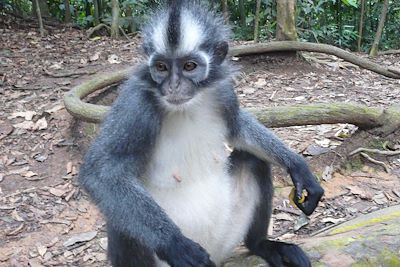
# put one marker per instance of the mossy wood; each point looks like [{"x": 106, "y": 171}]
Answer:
[{"x": 365, "y": 241}]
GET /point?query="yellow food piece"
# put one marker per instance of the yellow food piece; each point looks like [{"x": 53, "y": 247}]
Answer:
[{"x": 292, "y": 195}]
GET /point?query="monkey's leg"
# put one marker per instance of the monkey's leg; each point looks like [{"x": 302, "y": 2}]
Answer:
[
  {"x": 277, "y": 254},
  {"x": 124, "y": 252}
]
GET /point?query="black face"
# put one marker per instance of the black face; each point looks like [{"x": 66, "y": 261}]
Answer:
[{"x": 179, "y": 78}]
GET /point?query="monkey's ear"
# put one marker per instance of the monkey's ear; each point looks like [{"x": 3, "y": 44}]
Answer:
[{"x": 220, "y": 52}]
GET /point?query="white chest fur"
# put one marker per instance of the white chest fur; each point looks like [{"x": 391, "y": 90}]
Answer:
[{"x": 188, "y": 178}]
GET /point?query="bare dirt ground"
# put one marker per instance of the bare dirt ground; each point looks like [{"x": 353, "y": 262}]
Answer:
[{"x": 46, "y": 220}]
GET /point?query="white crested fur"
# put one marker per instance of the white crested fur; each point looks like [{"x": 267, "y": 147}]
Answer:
[
  {"x": 160, "y": 36},
  {"x": 188, "y": 178},
  {"x": 191, "y": 34}
]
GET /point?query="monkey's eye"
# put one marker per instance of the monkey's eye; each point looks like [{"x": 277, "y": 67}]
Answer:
[
  {"x": 160, "y": 66},
  {"x": 189, "y": 66}
]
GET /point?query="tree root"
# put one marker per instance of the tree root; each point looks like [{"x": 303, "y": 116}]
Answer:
[
  {"x": 389, "y": 52},
  {"x": 68, "y": 74},
  {"x": 381, "y": 163},
  {"x": 254, "y": 49},
  {"x": 96, "y": 28},
  {"x": 376, "y": 151},
  {"x": 383, "y": 121},
  {"x": 386, "y": 120}
]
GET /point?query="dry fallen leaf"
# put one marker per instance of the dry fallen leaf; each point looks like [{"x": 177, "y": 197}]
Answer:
[
  {"x": 41, "y": 250},
  {"x": 56, "y": 66},
  {"x": 41, "y": 124},
  {"x": 82, "y": 237},
  {"x": 16, "y": 216},
  {"x": 28, "y": 115},
  {"x": 57, "y": 192},
  {"x": 55, "y": 109},
  {"x": 249, "y": 90},
  {"x": 333, "y": 220},
  {"x": 103, "y": 243},
  {"x": 69, "y": 167},
  {"x": 260, "y": 83},
  {"x": 5, "y": 129},
  {"x": 362, "y": 193},
  {"x": 113, "y": 59},
  {"x": 29, "y": 174},
  {"x": 327, "y": 173},
  {"x": 16, "y": 230},
  {"x": 283, "y": 217},
  {"x": 18, "y": 171},
  {"x": 35, "y": 263},
  {"x": 27, "y": 125},
  {"x": 380, "y": 198},
  {"x": 95, "y": 57},
  {"x": 301, "y": 222}
]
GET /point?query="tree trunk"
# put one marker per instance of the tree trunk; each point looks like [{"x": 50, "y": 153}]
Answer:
[
  {"x": 39, "y": 16},
  {"x": 257, "y": 21},
  {"x": 375, "y": 45},
  {"x": 115, "y": 19},
  {"x": 101, "y": 7},
  {"x": 87, "y": 8},
  {"x": 361, "y": 25},
  {"x": 132, "y": 25},
  {"x": 225, "y": 12},
  {"x": 44, "y": 9},
  {"x": 242, "y": 13},
  {"x": 96, "y": 20},
  {"x": 286, "y": 20},
  {"x": 67, "y": 18},
  {"x": 339, "y": 16}
]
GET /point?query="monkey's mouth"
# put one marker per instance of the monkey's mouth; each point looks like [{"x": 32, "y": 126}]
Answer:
[{"x": 174, "y": 100}]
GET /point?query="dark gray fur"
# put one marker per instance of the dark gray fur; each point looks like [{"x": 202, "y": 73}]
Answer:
[{"x": 111, "y": 173}]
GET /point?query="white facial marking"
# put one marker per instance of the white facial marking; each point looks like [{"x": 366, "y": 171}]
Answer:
[
  {"x": 160, "y": 36},
  {"x": 191, "y": 34},
  {"x": 207, "y": 60}
]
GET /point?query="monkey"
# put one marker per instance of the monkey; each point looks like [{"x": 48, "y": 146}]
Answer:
[{"x": 181, "y": 173}]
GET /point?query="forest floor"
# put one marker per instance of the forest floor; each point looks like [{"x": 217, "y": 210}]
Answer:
[{"x": 46, "y": 220}]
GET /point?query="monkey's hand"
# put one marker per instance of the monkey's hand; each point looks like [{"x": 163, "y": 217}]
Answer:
[
  {"x": 303, "y": 179},
  {"x": 183, "y": 252}
]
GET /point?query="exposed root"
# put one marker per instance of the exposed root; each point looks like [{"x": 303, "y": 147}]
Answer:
[{"x": 381, "y": 163}]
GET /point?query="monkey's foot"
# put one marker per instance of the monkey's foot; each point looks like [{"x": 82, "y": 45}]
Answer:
[{"x": 279, "y": 254}]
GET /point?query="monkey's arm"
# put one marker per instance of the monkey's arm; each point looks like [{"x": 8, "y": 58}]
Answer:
[
  {"x": 255, "y": 138},
  {"x": 113, "y": 175}
]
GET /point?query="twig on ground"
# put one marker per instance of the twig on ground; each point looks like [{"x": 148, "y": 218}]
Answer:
[
  {"x": 376, "y": 151},
  {"x": 383, "y": 164},
  {"x": 69, "y": 74}
]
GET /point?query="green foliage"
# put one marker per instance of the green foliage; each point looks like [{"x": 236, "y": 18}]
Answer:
[
  {"x": 20, "y": 8},
  {"x": 326, "y": 21},
  {"x": 352, "y": 3},
  {"x": 336, "y": 22}
]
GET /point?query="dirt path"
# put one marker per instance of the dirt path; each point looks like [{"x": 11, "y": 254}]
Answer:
[{"x": 45, "y": 220}]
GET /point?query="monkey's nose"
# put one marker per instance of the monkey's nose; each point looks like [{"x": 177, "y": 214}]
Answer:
[{"x": 174, "y": 86}]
